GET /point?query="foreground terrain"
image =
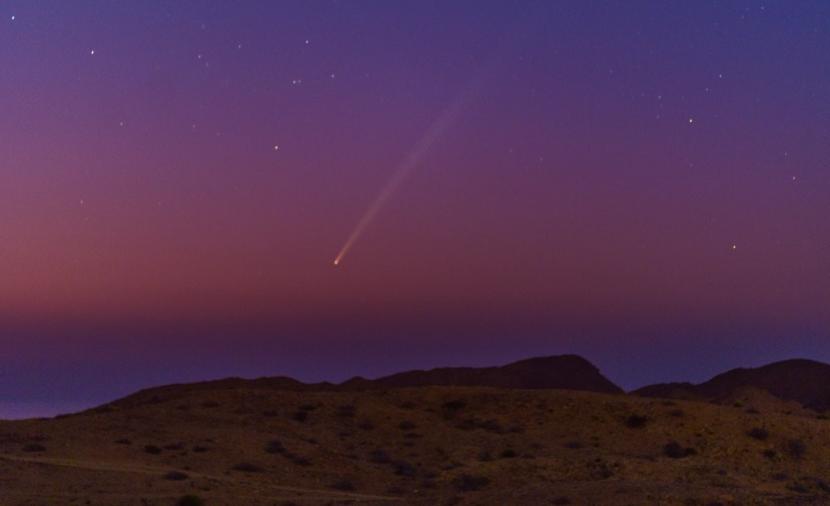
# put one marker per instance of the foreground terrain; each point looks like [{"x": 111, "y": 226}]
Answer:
[{"x": 252, "y": 443}]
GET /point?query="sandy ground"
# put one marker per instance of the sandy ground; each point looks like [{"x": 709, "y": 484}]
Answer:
[{"x": 437, "y": 445}]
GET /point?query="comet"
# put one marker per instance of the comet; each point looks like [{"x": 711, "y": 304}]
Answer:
[
  {"x": 433, "y": 133},
  {"x": 413, "y": 158}
]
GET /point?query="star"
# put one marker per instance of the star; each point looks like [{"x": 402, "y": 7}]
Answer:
[
  {"x": 691, "y": 120},
  {"x": 276, "y": 147},
  {"x": 734, "y": 247},
  {"x": 13, "y": 17},
  {"x": 92, "y": 52}
]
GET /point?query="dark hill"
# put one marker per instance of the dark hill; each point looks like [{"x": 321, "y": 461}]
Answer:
[
  {"x": 804, "y": 381},
  {"x": 570, "y": 372}
]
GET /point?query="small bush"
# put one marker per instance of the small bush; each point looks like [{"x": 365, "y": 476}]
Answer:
[
  {"x": 275, "y": 446},
  {"x": 123, "y": 441},
  {"x": 758, "y": 433},
  {"x": 673, "y": 450},
  {"x": 366, "y": 425},
  {"x": 300, "y": 416},
  {"x": 454, "y": 405},
  {"x": 247, "y": 467},
  {"x": 485, "y": 456},
  {"x": 770, "y": 454},
  {"x": 561, "y": 501},
  {"x": 34, "y": 448},
  {"x": 344, "y": 485},
  {"x": 406, "y": 425},
  {"x": 190, "y": 500},
  {"x": 403, "y": 468},
  {"x": 210, "y": 404},
  {"x": 308, "y": 407},
  {"x": 677, "y": 413},
  {"x": 508, "y": 453},
  {"x": 795, "y": 448},
  {"x": 574, "y": 445},
  {"x": 200, "y": 449},
  {"x": 379, "y": 456},
  {"x": 152, "y": 449},
  {"x": 470, "y": 483},
  {"x": 270, "y": 413},
  {"x": 346, "y": 411},
  {"x": 298, "y": 460},
  {"x": 176, "y": 476},
  {"x": 636, "y": 421},
  {"x": 174, "y": 446}
]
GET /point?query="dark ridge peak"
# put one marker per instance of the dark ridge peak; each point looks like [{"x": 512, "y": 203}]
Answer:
[
  {"x": 552, "y": 360},
  {"x": 802, "y": 380},
  {"x": 570, "y": 372}
]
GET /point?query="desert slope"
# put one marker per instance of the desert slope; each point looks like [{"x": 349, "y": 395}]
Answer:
[
  {"x": 802, "y": 381},
  {"x": 238, "y": 442}
]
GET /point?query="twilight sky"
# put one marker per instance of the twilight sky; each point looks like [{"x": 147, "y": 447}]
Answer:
[{"x": 643, "y": 183}]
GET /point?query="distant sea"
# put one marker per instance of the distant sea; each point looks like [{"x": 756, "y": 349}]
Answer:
[{"x": 10, "y": 410}]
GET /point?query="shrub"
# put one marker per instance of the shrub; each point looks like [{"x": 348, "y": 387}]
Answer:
[
  {"x": 508, "y": 453},
  {"x": 123, "y": 441},
  {"x": 176, "y": 476},
  {"x": 247, "y": 467},
  {"x": 454, "y": 405},
  {"x": 673, "y": 450},
  {"x": 270, "y": 413},
  {"x": 343, "y": 484},
  {"x": 366, "y": 425},
  {"x": 152, "y": 449},
  {"x": 677, "y": 413},
  {"x": 769, "y": 454},
  {"x": 561, "y": 501},
  {"x": 795, "y": 448},
  {"x": 403, "y": 468},
  {"x": 636, "y": 421},
  {"x": 346, "y": 411},
  {"x": 174, "y": 446},
  {"x": 379, "y": 456},
  {"x": 200, "y": 449},
  {"x": 190, "y": 500},
  {"x": 574, "y": 445},
  {"x": 406, "y": 425},
  {"x": 758, "y": 433},
  {"x": 300, "y": 416},
  {"x": 275, "y": 446},
  {"x": 298, "y": 460},
  {"x": 469, "y": 482},
  {"x": 34, "y": 447}
]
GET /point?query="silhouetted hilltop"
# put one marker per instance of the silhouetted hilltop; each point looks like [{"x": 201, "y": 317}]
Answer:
[
  {"x": 804, "y": 381},
  {"x": 569, "y": 372}
]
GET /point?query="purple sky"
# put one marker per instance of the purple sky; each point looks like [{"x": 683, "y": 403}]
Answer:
[{"x": 643, "y": 183}]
